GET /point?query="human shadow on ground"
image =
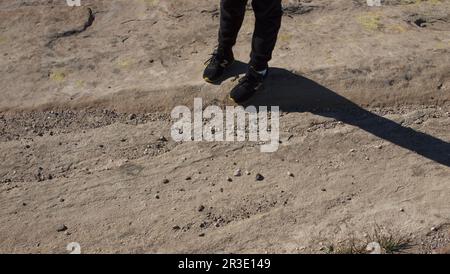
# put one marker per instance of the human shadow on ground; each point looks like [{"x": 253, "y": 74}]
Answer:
[{"x": 294, "y": 93}]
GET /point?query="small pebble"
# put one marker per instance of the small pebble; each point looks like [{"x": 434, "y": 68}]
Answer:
[
  {"x": 165, "y": 181},
  {"x": 61, "y": 228},
  {"x": 229, "y": 179},
  {"x": 237, "y": 173},
  {"x": 259, "y": 177},
  {"x": 290, "y": 174},
  {"x": 201, "y": 208}
]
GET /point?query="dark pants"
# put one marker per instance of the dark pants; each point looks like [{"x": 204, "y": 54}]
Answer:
[{"x": 268, "y": 15}]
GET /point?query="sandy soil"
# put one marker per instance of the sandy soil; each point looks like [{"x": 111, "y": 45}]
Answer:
[{"x": 86, "y": 154}]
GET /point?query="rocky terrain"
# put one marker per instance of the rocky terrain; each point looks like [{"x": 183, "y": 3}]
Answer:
[{"x": 87, "y": 156}]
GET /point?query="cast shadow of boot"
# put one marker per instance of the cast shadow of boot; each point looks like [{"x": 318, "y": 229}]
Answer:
[{"x": 294, "y": 93}]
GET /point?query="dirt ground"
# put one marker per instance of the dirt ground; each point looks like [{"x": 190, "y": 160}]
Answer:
[{"x": 86, "y": 154}]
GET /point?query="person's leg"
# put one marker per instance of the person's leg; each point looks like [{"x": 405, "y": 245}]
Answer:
[
  {"x": 232, "y": 14},
  {"x": 268, "y": 14}
]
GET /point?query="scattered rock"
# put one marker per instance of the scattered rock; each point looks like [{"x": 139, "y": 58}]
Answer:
[
  {"x": 229, "y": 179},
  {"x": 188, "y": 178},
  {"x": 201, "y": 235},
  {"x": 237, "y": 173},
  {"x": 165, "y": 181},
  {"x": 132, "y": 116},
  {"x": 374, "y": 248},
  {"x": 290, "y": 174},
  {"x": 201, "y": 208},
  {"x": 61, "y": 228},
  {"x": 259, "y": 177},
  {"x": 324, "y": 189},
  {"x": 40, "y": 177},
  {"x": 176, "y": 227},
  {"x": 162, "y": 139},
  {"x": 157, "y": 197},
  {"x": 247, "y": 172},
  {"x": 408, "y": 76}
]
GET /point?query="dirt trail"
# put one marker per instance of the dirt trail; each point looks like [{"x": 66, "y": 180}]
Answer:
[{"x": 86, "y": 154}]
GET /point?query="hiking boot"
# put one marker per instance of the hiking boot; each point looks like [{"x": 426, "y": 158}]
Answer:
[
  {"x": 216, "y": 65},
  {"x": 248, "y": 85}
]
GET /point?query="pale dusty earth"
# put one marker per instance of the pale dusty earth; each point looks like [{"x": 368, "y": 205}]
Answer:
[{"x": 86, "y": 154}]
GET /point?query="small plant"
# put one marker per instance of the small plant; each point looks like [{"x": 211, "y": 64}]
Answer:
[
  {"x": 390, "y": 242},
  {"x": 370, "y": 21},
  {"x": 351, "y": 246}
]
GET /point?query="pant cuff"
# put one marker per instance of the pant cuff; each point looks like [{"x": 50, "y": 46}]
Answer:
[{"x": 258, "y": 66}]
